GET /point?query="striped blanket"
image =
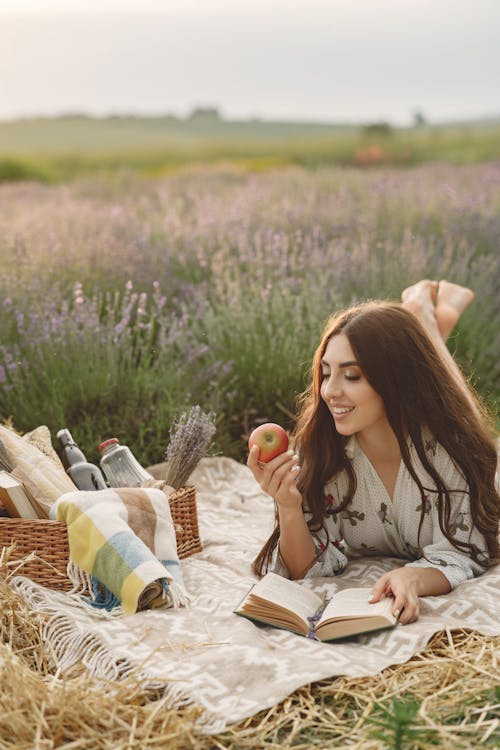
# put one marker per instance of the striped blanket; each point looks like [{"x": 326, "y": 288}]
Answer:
[{"x": 124, "y": 539}]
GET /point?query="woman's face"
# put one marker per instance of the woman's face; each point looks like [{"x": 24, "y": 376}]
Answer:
[{"x": 354, "y": 405}]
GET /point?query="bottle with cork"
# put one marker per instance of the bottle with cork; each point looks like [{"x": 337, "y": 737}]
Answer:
[{"x": 85, "y": 475}]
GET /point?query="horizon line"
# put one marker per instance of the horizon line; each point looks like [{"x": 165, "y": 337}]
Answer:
[{"x": 215, "y": 113}]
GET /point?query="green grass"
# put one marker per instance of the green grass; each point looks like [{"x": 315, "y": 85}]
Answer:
[{"x": 64, "y": 148}]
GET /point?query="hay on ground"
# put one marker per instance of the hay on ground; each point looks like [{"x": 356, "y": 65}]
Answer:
[{"x": 447, "y": 696}]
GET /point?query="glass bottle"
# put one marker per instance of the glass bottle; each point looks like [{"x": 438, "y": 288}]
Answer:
[
  {"x": 85, "y": 475},
  {"x": 120, "y": 466}
]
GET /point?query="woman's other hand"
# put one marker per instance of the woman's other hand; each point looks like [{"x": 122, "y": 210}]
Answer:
[
  {"x": 407, "y": 585},
  {"x": 402, "y": 584},
  {"x": 277, "y": 477}
]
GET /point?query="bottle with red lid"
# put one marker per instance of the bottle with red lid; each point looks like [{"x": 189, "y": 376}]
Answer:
[{"x": 120, "y": 466}]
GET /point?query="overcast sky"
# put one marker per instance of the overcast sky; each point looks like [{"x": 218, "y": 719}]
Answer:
[{"x": 330, "y": 60}]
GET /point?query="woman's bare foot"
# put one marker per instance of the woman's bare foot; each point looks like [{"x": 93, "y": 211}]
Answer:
[
  {"x": 419, "y": 299},
  {"x": 451, "y": 301}
]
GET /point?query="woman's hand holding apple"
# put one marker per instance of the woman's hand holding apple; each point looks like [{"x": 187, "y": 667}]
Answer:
[
  {"x": 275, "y": 468},
  {"x": 277, "y": 477}
]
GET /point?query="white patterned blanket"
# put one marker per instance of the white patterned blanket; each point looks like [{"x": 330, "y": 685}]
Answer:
[{"x": 207, "y": 655}]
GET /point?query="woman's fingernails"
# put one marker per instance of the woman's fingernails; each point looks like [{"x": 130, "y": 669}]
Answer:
[
  {"x": 396, "y": 613},
  {"x": 371, "y": 597},
  {"x": 290, "y": 452},
  {"x": 296, "y": 467}
]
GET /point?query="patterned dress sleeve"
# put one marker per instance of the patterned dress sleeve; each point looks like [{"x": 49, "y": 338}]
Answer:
[
  {"x": 456, "y": 565},
  {"x": 330, "y": 555}
]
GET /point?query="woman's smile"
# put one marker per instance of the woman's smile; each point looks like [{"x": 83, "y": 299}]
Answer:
[{"x": 340, "y": 412}]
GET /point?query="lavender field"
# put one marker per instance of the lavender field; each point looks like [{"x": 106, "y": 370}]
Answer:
[{"x": 125, "y": 300}]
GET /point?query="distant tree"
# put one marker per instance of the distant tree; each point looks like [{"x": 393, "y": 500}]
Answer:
[
  {"x": 205, "y": 113},
  {"x": 419, "y": 120},
  {"x": 377, "y": 129}
]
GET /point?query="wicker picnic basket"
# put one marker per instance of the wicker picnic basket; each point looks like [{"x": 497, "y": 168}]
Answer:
[{"x": 48, "y": 540}]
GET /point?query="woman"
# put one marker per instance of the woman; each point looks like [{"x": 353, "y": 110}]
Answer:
[{"x": 395, "y": 455}]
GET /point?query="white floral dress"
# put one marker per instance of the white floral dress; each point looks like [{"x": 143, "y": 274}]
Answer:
[{"x": 373, "y": 524}]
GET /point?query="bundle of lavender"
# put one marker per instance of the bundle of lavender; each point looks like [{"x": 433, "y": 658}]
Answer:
[{"x": 190, "y": 436}]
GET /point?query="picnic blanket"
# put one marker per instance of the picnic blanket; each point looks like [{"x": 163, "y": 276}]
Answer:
[
  {"x": 206, "y": 655},
  {"x": 124, "y": 538}
]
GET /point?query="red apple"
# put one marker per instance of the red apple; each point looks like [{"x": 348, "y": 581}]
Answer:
[{"x": 271, "y": 439}]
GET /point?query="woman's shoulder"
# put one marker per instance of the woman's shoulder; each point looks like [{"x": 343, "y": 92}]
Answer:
[{"x": 438, "y": 455}]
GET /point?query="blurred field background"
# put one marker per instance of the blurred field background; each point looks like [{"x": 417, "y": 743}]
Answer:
[
  {"x": 63, "y": 148},
  {"x": 139, "y": 281}
]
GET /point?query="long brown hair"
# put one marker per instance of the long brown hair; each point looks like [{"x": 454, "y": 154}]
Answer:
[{"x": 402, "y": 365}]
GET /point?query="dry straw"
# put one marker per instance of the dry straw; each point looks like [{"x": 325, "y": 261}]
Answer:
[{"x": 449, "y": 691}]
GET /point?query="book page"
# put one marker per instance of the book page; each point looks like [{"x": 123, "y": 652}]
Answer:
[
  {"x": 288, "y": 594},
  {"x": 354, "y": 603}
]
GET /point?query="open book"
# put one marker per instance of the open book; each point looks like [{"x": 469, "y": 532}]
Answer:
[{"x": 276, "y": 601}]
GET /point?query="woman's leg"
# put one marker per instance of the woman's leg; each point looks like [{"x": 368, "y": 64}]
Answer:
[{"x": 438, "y": 307}]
